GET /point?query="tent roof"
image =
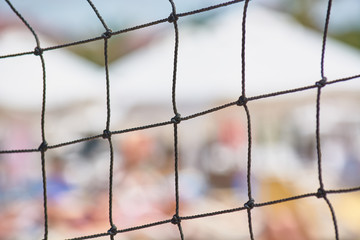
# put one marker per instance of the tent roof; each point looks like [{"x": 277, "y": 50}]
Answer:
[
  {"x": 280, "y": 54},
  {"x": 69, "y": 78}
]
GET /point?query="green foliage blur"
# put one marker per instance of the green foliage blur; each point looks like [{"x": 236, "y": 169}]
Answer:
[{"x": 344, "y": 21}]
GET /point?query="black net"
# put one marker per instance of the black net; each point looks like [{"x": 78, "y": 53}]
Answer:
[{"x": 115, "y": 231}]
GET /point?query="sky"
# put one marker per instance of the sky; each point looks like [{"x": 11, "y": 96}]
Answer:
[
  {"x": 74, "y": 19},
  {"x": 77, "y": 18}
]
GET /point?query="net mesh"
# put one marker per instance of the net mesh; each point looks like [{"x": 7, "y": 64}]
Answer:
[{"x": 175, "y": 121}]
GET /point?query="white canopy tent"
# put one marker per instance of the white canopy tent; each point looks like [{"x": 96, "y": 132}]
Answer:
[
  {"x": 280, "y": 54},
  {"x": 75, "y": 88},
  {"x": 70, "y": 79}
]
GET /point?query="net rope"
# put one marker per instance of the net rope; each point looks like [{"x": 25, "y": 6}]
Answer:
[{"x": 322, "y": 192}]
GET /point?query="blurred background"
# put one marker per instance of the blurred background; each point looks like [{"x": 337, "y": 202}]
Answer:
[{"x": 283, "y": 48}]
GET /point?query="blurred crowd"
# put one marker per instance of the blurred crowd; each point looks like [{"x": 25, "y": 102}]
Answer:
[
  {"x": 213, "y": 153},
  {"x": 212, "y": 177}
]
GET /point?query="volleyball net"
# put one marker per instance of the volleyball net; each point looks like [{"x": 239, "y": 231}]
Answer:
[{"x": 242, "y": 103}]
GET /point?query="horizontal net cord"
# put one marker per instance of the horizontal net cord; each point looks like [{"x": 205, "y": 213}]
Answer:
[
  {"x": 191, "y": 116},
  {"x": 130, "y": 29},
  {"x": 221, "y": 212}
]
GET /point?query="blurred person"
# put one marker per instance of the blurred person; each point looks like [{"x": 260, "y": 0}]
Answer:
[
  {"x": 20, "y": 205},
  {"x": 18, "y": 169},
  {"x": 285, "y": 225},
  {"x": 137, "y": 149},
  {"x": 62, "y": 210},
  {"x": 350, "y": 174},
  {"x": 138, "y": 181},
  {"x": 351, "y": 170},
  {"x": 221, "y": 158},
  {"x": 7, "y": 219},
  {"x": 56, "y": 181},
  {"x": 285, "y": 220}
]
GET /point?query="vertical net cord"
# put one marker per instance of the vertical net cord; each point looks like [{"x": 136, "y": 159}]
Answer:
[
  {"x": 108, "y": 108},
  {"x": 243, "y": 36},
  {"x": 173, "y": 18},
  {"x": 176, "y": 218},
  {"x": 43, "y": 146},
  {"x": 176, "y": 119},
  {"x": 107, "y": 133},
  {"x": 321, "y": 84},
  {"x": 326, "y": 27},
  {"x": 105, "y": 36},
  {"x": 98, "y": 15},
  {"x": 43, "y": 171},
  {"x": 318, "y": 147},
  {"x": 25, "y": 22},
  {"x": 250, "y": 204}
]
